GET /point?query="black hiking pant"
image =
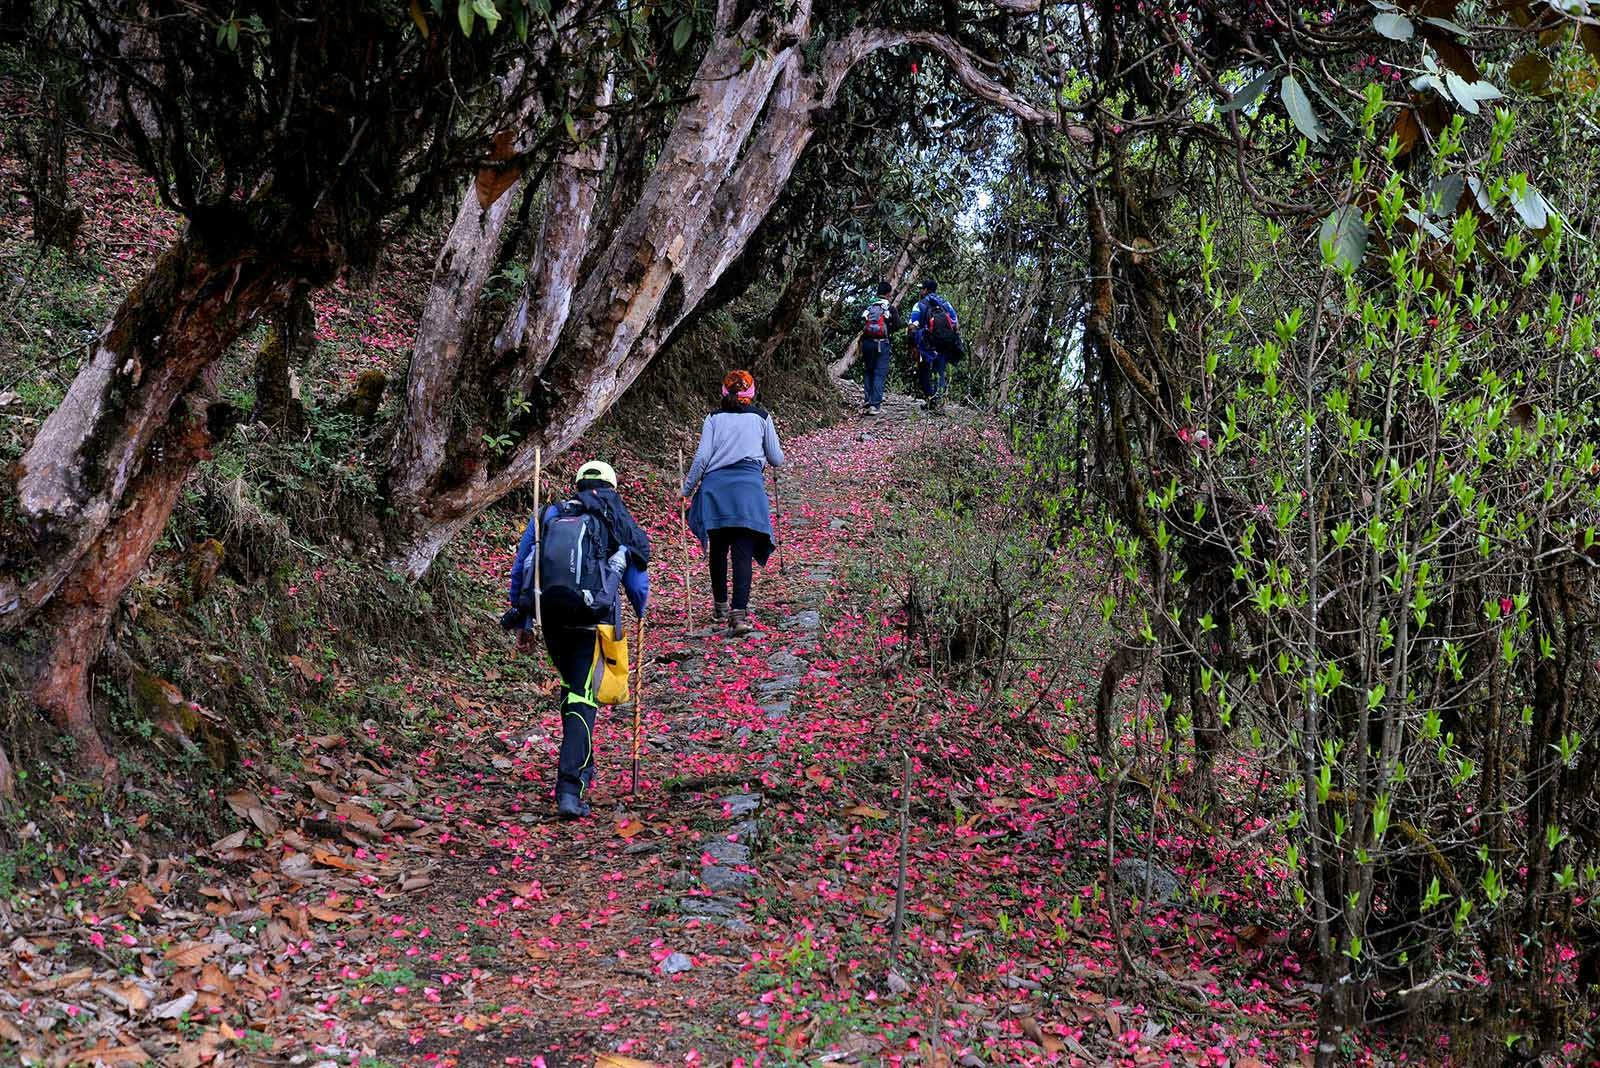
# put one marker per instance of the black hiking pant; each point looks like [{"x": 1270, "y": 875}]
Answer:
[
  {"x": 739, "y": 544},
  {"x": 572, "y": 648}
]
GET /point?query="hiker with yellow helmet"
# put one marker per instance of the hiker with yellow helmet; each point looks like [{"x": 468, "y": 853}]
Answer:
[{"x": 571, "y": 568}]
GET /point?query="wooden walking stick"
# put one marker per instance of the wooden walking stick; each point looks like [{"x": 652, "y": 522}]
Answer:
[
  {"x": 683, "y": 520},
  {"x": 777, "y": 495},
  {"x": 538, "y": 538},
  {"x": 638, "y": 705}
]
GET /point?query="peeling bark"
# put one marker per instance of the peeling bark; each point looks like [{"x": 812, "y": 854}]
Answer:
[
  {"x": 73, "y": 478},
  {"x": 535, "y": 324},
  {"x": 74, "y": 623},
  {"x": 463, "y": 266},
  {"x": 722, "y": 168}
]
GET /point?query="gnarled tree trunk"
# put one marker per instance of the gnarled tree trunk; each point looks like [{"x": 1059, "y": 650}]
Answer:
[
  {"x": 731, "y": 151},
  {"x": 74, "y": 476},
  {"x": 74, "y": 624}
]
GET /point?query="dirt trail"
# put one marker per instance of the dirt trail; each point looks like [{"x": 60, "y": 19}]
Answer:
[
  {"x": 386, "y": 908},
  {"x": 381, "y": 909},
  {"x": 631, "y": 932}
]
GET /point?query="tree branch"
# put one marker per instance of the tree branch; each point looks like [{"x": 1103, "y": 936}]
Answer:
[{"x": 843, "y": 56}]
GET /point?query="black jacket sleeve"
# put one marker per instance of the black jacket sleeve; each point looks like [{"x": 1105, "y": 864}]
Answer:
[{"x": 627, "y": 533}]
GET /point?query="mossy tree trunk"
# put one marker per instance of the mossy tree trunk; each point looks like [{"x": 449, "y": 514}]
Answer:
[
  {"x": 73, "y": 479},
  {"x": 74, "y": 624},
  {"x": 97, "y": 484},
  {"x": 291, "y": 337}
]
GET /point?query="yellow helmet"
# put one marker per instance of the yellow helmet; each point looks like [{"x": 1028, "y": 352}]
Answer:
[{"x": 599, "y": 470}]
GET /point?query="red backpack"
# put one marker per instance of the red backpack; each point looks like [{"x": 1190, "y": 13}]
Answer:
[{"x": 875, "y": 320}]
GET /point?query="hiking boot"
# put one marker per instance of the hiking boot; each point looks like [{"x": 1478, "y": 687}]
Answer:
[
  {"x": 571, "y": 807},
  {"x": 719, "y": 611},
  {"x": 739, "y": 623},
  {"x": 872, "y": 410}
]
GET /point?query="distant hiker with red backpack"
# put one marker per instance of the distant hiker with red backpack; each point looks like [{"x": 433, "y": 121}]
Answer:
[
  {"x": 572, "y": 565},
  {"x": 729, "y": 511},
  {"x": 936, "y": 341},
  {"x": 879, "y": 321}
]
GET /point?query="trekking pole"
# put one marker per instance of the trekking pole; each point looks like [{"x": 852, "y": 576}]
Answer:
[
  {"x": 683, "y": 522},
  {"x": 538, "y": 535},
  {"x": 638, "y": 704},
  {"x": 777, "y": 496}
]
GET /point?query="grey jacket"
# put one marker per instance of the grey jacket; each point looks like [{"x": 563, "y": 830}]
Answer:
[{"x": 728, "y": 437}]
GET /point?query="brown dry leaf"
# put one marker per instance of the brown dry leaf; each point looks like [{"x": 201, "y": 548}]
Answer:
[
  {"x": 190, "y": 954},
  {"x": 866, "y": 812},
  {"x": 415, "y": 882},
  {"x": 112, "y": 1055},
  {"x": 9, "y": 1032},
  {"x": 537, "y": 952},
  {"x": 1035, "y": 1033},
  {"x": 326, "y": 915},
  {"x": 1406, "y": 131},
  {"x": 248, "y": 806},
  {"x": 307, "y": 672},
  {"x": 334, "y": 860},
  {"x": 232, "y": 841},
  {"x": 815, "y": 774},
  {"x": 617, "y": 1060},
  {"x": 61, "y": 982},
  {"x": 139, "y": 899},
  {"x": 130, "y": 996},
  {"x": 1254, "y": 936},
  {"x": 629, "y": 828},
  {"x": 326, "y": 794}
]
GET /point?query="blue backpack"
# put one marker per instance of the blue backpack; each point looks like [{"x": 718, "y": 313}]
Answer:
[{"x": 576, "y": 582}]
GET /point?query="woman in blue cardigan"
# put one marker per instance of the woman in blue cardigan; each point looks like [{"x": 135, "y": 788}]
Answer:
[{"x": 728, "y": 491}]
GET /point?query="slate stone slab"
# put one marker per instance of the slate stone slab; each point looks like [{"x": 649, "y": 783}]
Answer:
[
  {"x": 810, "y": 619},
  {"x": 787, "y": 664},
  {"x": 727, "y": 853},
  {"x": 708, "y": 906},
  {"x": 719, "y": 880},
  {"x": 777, "y": 711},
  {"x": 742, "y": 804},
  {"x": 781, "y": 684},
  {"x": 676, "y": 963}
]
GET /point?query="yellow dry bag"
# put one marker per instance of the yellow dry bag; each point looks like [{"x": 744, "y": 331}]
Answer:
[{"x": 613, "y": 651}]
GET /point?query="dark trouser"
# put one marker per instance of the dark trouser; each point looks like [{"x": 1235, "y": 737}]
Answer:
[
  {"x": 875, "y": 369},
  {"x": 741, "y": 544},
  {"x": 931, "y": 374},
  {"x": 573, "y": 650}
]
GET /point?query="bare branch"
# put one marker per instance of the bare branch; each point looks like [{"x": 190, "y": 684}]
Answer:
[{"x": 844, "y": 56}]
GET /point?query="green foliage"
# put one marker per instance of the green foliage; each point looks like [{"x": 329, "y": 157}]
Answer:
[
  {"x": 1367, "y": 522},
  {"x": 982, "y": 552}
]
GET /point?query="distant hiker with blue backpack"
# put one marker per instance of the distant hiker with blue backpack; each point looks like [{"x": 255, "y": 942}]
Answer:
[
  {"x": 725, "y": 483},
  {"x": 936, "y": 341},
  {"x": 879, "y": 321},
  {"x": 575, "y": 561}
]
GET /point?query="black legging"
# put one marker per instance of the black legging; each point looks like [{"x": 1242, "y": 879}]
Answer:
[{"x": 742, "y": 544}]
